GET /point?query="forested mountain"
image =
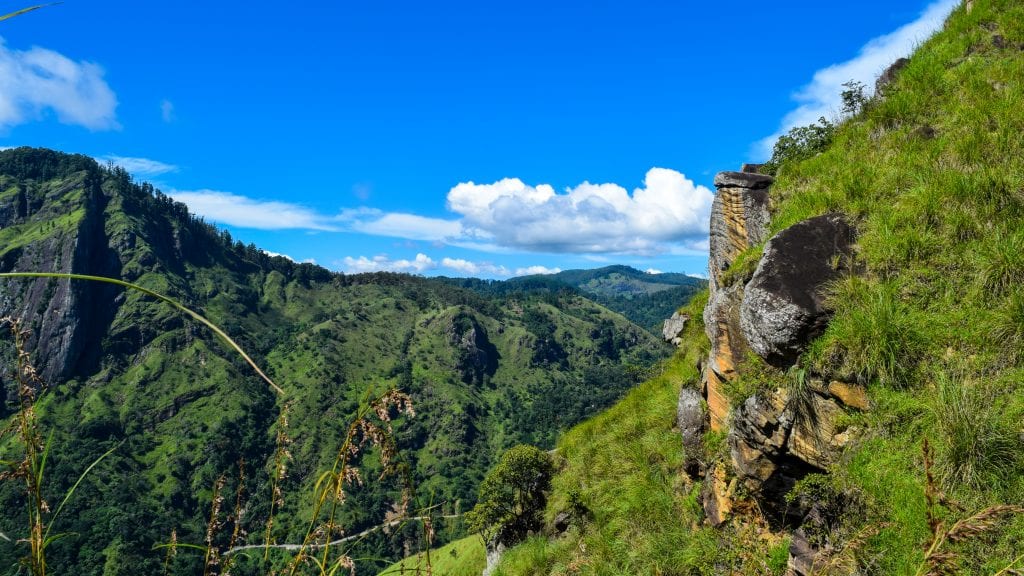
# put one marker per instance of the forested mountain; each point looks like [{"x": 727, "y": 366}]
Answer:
[
  {"x": 127, "y": 373},
  {"x": 646, "y": 299}
]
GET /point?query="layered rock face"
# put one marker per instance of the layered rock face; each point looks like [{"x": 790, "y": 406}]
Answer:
[
  {"x": 776, "y": 437},
  {"x": 68, "y": 317},
  {"x": 739, "y": 220}
]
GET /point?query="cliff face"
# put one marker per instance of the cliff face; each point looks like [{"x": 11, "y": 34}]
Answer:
[
  {"x": 788, "y": 428},
  {"x": 739, "y": 220},
  {"x": 57, "y": 226}
]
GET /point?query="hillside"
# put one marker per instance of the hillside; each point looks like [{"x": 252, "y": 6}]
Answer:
[
  {"x": 179, "y": 410},
  {"x": 646, "y": 299},
  {"x": 850, "y": 401}
]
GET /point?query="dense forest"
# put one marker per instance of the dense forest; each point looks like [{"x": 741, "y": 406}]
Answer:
[{"x": 184, "y": 417}]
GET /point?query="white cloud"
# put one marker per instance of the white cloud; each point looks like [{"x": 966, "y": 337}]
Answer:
[
  {"x": 821, "y": 97},
  {"x": 276, "y": 254},
  {"x": 669, "y": 213},
  {"x": 423, "y": 263},
  {"x": 409, "y": 226},
  {"x": 167, "y": 110},
  {"x": 140, "y": 166},
  {"x": 653, "y": 271},
  {"x": 236, "y": 210},
  {"x": 37, "y": 80},
  {"x": 532, "y": 270},
  {"x": 381, "y": 263},
  {"x": 474, "y": 268},
  {"x": 590, "y": 218}
]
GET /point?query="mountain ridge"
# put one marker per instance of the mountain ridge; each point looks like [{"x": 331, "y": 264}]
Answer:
[{"x": 484, "y": 372}]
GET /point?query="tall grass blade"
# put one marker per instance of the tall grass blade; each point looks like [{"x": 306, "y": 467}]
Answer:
[
  {"x": 178, "y": 306},
  {"x": 26, "y": 10}
]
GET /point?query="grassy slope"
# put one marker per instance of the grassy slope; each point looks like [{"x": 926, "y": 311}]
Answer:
[
  {"x": 465, "y": 557},
  {"x": 935, "y": 325}
]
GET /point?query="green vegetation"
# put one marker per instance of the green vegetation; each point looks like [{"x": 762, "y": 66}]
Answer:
[
  {"x": 646, "y": 299},
  {"x": 513, "y": 496},
  {"x": 465, "y": 557},
  {"x": 932, "y": 325},
  {"x": 484, "y": 371}
]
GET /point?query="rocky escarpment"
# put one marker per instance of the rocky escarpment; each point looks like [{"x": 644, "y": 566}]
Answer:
[
  {"x": 766, "y": 315},
  {"x": 67, "y": 318}
]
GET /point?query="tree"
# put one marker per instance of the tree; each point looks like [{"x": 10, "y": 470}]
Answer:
[{"x": 513, "y": 496}]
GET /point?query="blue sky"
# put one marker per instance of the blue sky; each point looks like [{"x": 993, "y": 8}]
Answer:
[{"x": 457, "y": 138}]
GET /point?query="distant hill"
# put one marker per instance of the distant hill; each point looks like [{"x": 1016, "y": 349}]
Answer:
[
  {"x": 485, "y": 371},
  {"x": 646, "y": 299}
]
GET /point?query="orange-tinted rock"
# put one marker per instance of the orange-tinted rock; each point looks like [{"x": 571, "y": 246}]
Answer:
[
  {"x": 850, "y": 395},
  {"x": 718, "y": 404},
  {"x": 717, "y": 496}
]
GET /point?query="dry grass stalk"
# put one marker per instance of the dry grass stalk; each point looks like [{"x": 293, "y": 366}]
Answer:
[{"x": 939, "y": 560}]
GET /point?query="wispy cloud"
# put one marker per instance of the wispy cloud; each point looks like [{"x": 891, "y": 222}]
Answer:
[
  {"x": 36, "y": 81},
  {"x": 236, "y": 210},
  {"x": 821, "y": 97},
  {"x": 140, "y": 166},
  {"x": 409, "y": 226},
  {"x": 167, "y": 111}
]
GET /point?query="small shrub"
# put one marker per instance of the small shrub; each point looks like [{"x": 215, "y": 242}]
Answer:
[
  {"x": 800, "y": 143},
  {"x": 513, "y": 496},
  {"x": 1008, "y": 330},
  {"x": 853, "y": 97}
]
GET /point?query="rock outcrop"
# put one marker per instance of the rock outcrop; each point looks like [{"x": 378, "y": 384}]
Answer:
[
  {"x": 783, "y": 305},
  {"x": 67, "y": 318},
  {"x": 690, "y": 418},
  {"x": 772, "y": 310},
  {"x": 888, "y": 76},
  {"x": 672, "y": 329},
  {"x": 739, "y": 220}
]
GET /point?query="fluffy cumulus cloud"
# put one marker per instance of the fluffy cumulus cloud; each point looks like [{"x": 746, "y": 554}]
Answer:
[
  {"x": 668, "y": 214},
  {"x": 469, "y": 268},
  {"x": 244, "y": 212},
  {"x": 821, "y": 97},
  {"x": 140, "y": 166},
  {"x": 589, "y": 218},
  {"x": 37, "y": 81}
]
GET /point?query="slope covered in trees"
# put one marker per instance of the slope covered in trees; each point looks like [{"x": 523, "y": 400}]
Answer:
[
  {"x": 180, "y": 411},
  {"x": 646, "y": 299}
]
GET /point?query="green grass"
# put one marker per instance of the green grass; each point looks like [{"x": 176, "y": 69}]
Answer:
[
  {"x": 933, "y": 178},
  {"x": 465, "y": 557}
]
